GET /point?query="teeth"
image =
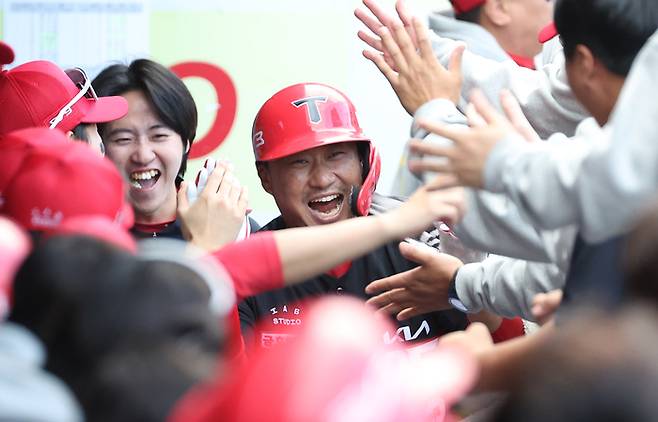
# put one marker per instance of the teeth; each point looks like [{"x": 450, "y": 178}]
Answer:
[
  {"x": 144, "y": 175},
  {"x": 326, "y": 198}
]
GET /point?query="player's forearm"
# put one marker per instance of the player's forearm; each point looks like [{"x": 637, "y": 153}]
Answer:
[{"x": 309, "y": 251}]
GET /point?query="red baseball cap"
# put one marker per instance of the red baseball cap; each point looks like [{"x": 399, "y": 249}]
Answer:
[
  {"x": 41, "y": 94},
  {"x": 6, "y": 54},
  {"x": 463, "y": 6},
  {"x": 15, "y": 146},
  {"x": 548, "y": 33},
  {"x": 99, "y": 227},
  {"x": 58, "y": 182}
]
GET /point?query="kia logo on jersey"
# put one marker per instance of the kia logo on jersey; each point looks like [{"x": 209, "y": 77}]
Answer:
[{"x": 313, "y": 110}]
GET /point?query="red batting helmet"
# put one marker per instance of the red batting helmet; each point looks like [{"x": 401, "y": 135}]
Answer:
[{"x": 309, "y": 115}]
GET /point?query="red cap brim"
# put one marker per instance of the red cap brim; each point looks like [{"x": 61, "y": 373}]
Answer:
[
  {"x": 105, "y": 109},
  {"x": 6, "y": 54},
  {"x": 548, "y": 33}
]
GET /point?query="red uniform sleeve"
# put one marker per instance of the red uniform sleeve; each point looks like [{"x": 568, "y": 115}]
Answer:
[
  {"x": 254, "y": 264},
  {"x": 509, "y": 329}
]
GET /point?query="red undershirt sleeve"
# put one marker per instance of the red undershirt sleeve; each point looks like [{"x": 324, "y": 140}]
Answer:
[{"x": 254, "y": 264}]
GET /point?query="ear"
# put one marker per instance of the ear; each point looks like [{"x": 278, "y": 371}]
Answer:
[
  {"x": 585, "y": 62},
  {"x": 265, "y": 177},
  {"x": 497, "y": 12},
  {"x": 69, "y": 134}
]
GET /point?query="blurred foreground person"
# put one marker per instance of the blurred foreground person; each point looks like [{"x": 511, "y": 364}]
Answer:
[{"x": 357, "y": 377}]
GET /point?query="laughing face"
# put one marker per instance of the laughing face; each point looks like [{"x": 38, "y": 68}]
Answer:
[
  {"x": 150, "y": 155},
  {"x": 313, "y": 187}
]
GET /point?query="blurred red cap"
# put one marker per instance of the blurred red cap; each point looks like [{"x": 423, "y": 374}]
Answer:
[
  {"x": 15, "y": 146},
  {"x": 33, "y": 93},
  {"x": 463, "y": 6},
  {"x": 56, "y": 183}
]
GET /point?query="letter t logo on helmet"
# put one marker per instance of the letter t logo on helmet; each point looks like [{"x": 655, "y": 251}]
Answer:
[
  {"x": 313, "y": 112},
  {"x": 308, "y": 115}
]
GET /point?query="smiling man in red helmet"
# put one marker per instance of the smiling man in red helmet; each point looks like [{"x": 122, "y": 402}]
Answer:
[{"x": 319, "y": 166}]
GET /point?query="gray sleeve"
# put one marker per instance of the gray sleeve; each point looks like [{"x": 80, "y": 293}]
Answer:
[
  {"x": 544, "y": 94},
  {"x": 492, "y": 222},
  {"x": 604, "y": 182},
  {"x": 506, "y": 286}
]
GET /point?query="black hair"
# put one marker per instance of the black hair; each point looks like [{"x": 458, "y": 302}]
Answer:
[
  {"x": 473, "y": 16},
  {"x": 122, "y": 386},
  {"x": 170, "y": 98},
  {"x": 80, "y": 133},
  {"x": 614, "y": 30},
  {"x": 98, "y": 309}
]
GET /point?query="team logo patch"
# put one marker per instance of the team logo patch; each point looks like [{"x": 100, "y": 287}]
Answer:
[{"x": 312, "y": 107}]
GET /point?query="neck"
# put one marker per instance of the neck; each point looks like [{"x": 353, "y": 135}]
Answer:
[
  {"x": 164, "y": 214},
  {"x": 611, "y": 91},
  {"x": 516, "y": 44}
]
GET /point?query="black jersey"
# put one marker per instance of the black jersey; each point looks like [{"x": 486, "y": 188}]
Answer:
[{"x": 272, "y": 317}]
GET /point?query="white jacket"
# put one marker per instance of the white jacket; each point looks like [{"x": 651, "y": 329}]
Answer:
[
  {"x": 544, "y": 94},
  {"x": 605, "y": 180}
]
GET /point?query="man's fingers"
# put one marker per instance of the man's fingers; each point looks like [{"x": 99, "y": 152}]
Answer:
[
  {"x": 373, "y": 42},
  {"x": 403, "y": 13},
  {"x": 405, "y": 44},
  {"x": 183, "y": 203},
  {"x": 443, "y": 181},
  {"x": 420, "y": 254},
  {"x": 391, "y": 47},
  {"x": 387, "y": 284},
  {"x": 382, "y": 65},
  {"x": 408, "y": 313},
  {"x": 243, "y": 200},
  {"x": 484, "y": 107},
  {"x": 214, "y": 181},
  {"x": 456, "y": 134},
  {"x": 422, "y": 166},
  {"x": 474, "y": 118},
  {"x": 455, "y": 63},
  {"x": 514, "y": 113},
  {"x": 423, "y": 40},
  {"x": 371, "y": 23},
  {"x": 425, "y": 148},
  {"x": 383, "y": 17}
]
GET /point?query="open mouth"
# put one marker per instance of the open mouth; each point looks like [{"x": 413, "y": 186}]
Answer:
[
  {"x": 329, "y": 205},
  {"x": 144, "y": 179}
]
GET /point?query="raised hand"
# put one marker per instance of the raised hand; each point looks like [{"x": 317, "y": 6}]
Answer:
[
  {"x": 380, "y": 20},
  {"x": 413, "y": 70},
  {"x": 467, "y": 157},
  {"x": 418, "y": 291},
  {"x": 216, "y": 216}
]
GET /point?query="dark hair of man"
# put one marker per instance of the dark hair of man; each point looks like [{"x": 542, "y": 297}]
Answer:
[
  {"x": 170, "y": 98},
  {"x": 121, "y": 387},
  {"x": 614, "y": 30},
  {"x": 472, "y": 16},
  {"x": 80, "y": 133}
]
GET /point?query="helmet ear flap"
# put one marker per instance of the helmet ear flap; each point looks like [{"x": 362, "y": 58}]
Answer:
[{"x": 361, "y": 198}]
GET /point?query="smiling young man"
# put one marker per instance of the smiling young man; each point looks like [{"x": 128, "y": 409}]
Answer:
[{"x": 316, "y": 162}]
